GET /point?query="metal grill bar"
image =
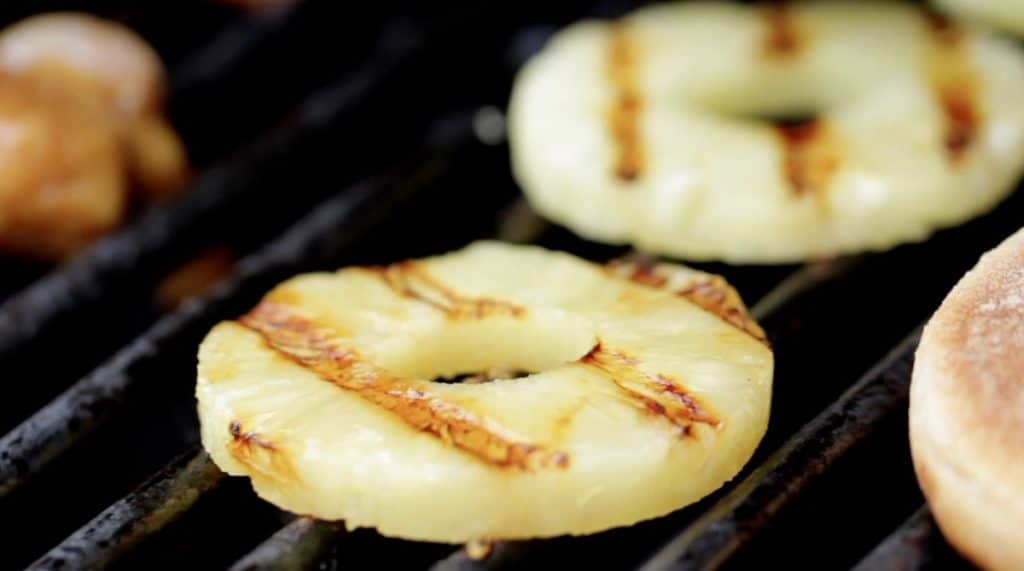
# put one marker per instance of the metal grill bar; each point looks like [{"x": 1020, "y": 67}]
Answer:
[
  {"x": 912, "y": 546},
  {"x": 156, "y": 503},
  {"x": 298, "y": 545},
  {"x": 724, "y": 529}
]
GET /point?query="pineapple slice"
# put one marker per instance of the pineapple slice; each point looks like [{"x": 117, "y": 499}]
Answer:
[
  {"x": 648, "y": 388},
  {"x": 657, "y": 129}
]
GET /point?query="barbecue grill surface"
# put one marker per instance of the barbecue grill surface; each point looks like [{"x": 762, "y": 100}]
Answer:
[{"x": 381, "y": 145}]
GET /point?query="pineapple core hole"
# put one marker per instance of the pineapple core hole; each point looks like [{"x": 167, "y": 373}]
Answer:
[{"x": 499, "y": 347}]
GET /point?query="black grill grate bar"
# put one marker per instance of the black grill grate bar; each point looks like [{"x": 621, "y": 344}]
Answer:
[
  {"x": 911, "y": 546},
  {"x": 139, "y": 247},
  {"x": 333, "y": 225},
  {"x": 298, "y": 545},
  {"x": 155, "y": 504},
  {"x": 724, "y": 529}
]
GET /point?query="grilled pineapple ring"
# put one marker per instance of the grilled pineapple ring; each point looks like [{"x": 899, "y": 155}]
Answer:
[
  {"x": 650, "y": 388},
  {"x": 644, "y": 130}
]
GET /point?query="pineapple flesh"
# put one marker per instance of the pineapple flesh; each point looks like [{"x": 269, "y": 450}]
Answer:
[{"x": 648, "y": 388}]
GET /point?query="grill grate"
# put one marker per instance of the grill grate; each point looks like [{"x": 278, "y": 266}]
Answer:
[{"x": 829, "y": 484}]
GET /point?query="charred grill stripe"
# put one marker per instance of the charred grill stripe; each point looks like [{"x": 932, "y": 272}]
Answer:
[
  {"x": 658, "y": 393},
  {"x": 956, "y": 86},
  {"x": 709, "y": 292},
  {"x": 716, "y": 296},
  {"x": 810, "y": 157},
  {"x": 261, "y": 455},
  {"x": 961, "y": 120},
  {"x": 943, "y": 29},
  {"x": 624, "y": 116},
  {"x": 810, "y": 153},
  {"x": 782, "y": 36},
  {"x": 248, "y": 437},
  {"x": 315, "y": 348},
  {"x": 413, "y": 281}
]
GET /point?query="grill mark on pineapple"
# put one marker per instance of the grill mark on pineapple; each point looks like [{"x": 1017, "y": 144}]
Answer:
[
  {"x": 263, "y": 457},
  {"x": 956, "y": 85},
  {"x": 783, "y": 37},
  {"x": 315, "y": 348},
  {"x": 624, "y": 114},
  {"x": 708, "y": 291},
  {"x": 811, "y": 155},
  {"x": 411, "y": 280},
  {"x": 658, "y": 393}
]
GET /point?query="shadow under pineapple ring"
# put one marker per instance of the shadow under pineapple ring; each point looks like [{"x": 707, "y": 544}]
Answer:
[
  {"x": 649, "y": 387},
  {"x": 643, "y": 130}
]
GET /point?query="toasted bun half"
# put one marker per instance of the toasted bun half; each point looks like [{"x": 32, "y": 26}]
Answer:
[{"x": 967, "y": 410}]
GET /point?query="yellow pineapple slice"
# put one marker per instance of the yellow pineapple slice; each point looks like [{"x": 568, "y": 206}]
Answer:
[{"x": 648, "y": 388}]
